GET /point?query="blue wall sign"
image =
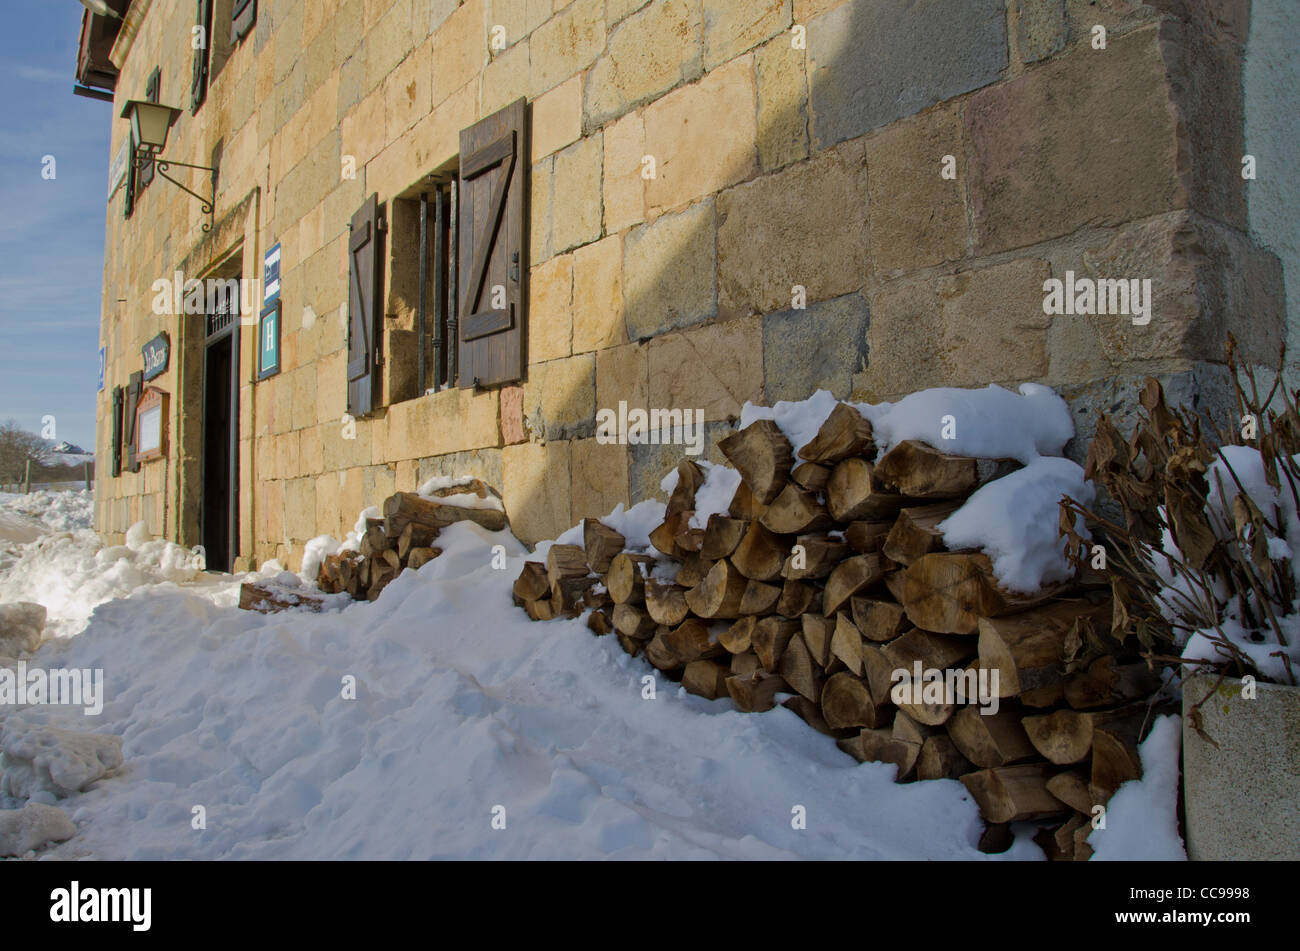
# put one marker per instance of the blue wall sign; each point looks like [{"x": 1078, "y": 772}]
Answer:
[
  {"x": 268, "y": 341},
  {"x": 156, "y": 352},
  {"x": 271, "y": 275}
]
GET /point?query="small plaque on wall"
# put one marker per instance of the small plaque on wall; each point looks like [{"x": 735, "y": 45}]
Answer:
[
  {"x": 268, "y": 337},
  {"x": 156, "y": 354},
  {"x": 151, "y": 425}
]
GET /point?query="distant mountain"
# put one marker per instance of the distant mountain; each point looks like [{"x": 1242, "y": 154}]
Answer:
[
  {"x": 67, "y": 454},
  {"x": 69, "y": 448}
]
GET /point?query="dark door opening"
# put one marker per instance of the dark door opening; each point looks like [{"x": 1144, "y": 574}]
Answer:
[{"x": 219, "y": 506}]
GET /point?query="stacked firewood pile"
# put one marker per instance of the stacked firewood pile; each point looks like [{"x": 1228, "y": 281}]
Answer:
[
  {"x": 403, "y": 538},
  {"x": 828, "y": 576}
]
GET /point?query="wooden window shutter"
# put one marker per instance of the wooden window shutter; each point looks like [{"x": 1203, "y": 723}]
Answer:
[
  {"x": 243, "y": 14},
  {"x": 199, "y": 83},
  {"x": 117, "y": 431},
  {"x": 133, "y": 390},
  {"x": 492, "y": 257},
  {"x": 365, "y": 305},
  {"x": 128, "y": 198}
]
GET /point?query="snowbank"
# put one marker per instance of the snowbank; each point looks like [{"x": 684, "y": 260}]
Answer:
[{"x": 1142, "y": 816}]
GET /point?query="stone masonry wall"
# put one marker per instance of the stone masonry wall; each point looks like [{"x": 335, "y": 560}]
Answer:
[{"x": 776, "y": 163}]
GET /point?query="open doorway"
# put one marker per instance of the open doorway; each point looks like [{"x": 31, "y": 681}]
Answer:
[{"x": 219, "y": 503}]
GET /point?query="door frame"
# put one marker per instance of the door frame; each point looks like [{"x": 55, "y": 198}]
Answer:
[{"x": 228, "y": 337}]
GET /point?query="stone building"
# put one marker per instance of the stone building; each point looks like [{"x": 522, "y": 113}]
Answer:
[{"x": 673, "y": 204}]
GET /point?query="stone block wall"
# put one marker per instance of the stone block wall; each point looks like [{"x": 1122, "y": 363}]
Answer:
[{"x": 731, "y": 200}]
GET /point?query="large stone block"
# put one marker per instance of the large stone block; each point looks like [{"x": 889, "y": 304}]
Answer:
[
  {"x": 623, "y": 186},
  {"x": 567, "y": 43},
  {"x": 703, "y": 137},
  {"x": 407, "y": 91},
  {"x": 623, "y": 373},
  {"x": 817, "y": 348},
  {"x": 668, "y": 272},
  {"x": 918, "y": 218},
  {"x": 598, "y": 319},
  {"x": 599, "y": 475},
  {"x": 782, "y": 78},
  {"x": 576, "y": 210},
  {"x": 560, "y": 398},
  {"x": 1042, "y": 29},
  {"x": 649, "y": 53},
  {"x": 874, "y": 61},
  {"x": 714, "y": 368},
  {"x": 966, "y": 329},
  {"x": 550, "y": 309},
  {"x": 806, "y": 226},
  {"x": 506, "y": 78},
  {"x": 460, "y": 49},
  {"x": 732, "y": 28},
  {"x": 541, "y": 201},
  {"x": 300, "y": 508},
  {"x": 1071, "y": 144},
  {"x": 536, "y": 489},
  {"x": 650, "y": 462},
  {"x": 557, "y": 118}
]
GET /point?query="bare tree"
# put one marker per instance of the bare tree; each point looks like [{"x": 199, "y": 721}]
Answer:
[{"x": 17, "y": 446}]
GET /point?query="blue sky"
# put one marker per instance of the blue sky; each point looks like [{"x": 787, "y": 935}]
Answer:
[{"x": 51, "y": 232}]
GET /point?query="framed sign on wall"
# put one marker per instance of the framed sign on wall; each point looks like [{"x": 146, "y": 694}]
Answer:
[
  {"x": 151, "y": 425},
  {"x": 268, "y": 341}
]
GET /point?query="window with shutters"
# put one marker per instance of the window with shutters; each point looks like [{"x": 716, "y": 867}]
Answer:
[
  {"x": 151, "y": 93},
  {"x": 202, "y": 42},
  {"x": 365, "y": 306},
  {"x": 118, "y": 409},
  {"x": 132, "y": 398},
  {"x": 243, "y": 14},
  {"x": 457, "y": 292}
]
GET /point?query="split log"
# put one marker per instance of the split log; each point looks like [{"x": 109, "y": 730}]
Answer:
[
  {"x": 532, "y": 582},
  {"x": 877, "y": 671},
  {"x": 912, "y": 731},
  {"x": 769, "y": 640},
  {"x": 846, "y": 702},
  {"x": 989, "y": 740},
  {"x": 755, "y": 692},
  {"x": 817, "y": 633},
  {"x": 1071, "y": 787},
  {"x": 694, "y": 569},
  {"x": 934, "y": 651},
  {"x": 813, "y": 556},
  {"x": 810, "y": 476},
  {"x": 567, "y": 594},
  {"x": 759, "y": 598},
  {"x": 760, "y": 553},
  {"x": 415, "y": 536},
  {"x": 796, "y": 511},
  {"x": 689, "y": 540},
  {"x": 666, "y": 603},
  {"x": 373, "y": 541},
  {"x": 996, "y": 838},
  {"x": 601, "y": 543},
  {"x": 894, "y": 585},
  {"x": 846, "y": 644},
  {"x": 600, "y": 623},
  {"x": 867, "y": 536},
  {"x": 270, "y": 598},
  {"x": 629, "y": 644},
  {"x": 797, "y": 598},
  {"x": 845, "y": 433},
  {"x": 633, "y": 621},
  {"x": 745, "y": 662},
  {"x": 1065, "y": 736},
  {"x": 743, "y": 504},
  {"x": 881, "y": 746},
  {"x": 1115, "y": 758},
  {"x": 800, "y": 672},
  {"x": 720, "y": 593},
  {"x": 405, "y": 507},
  {"x": 540, "y": 610},
  {"x": 923, "y": 472},
  {"x": 689, "y": 479},
  {"x": 565, "y": 561},
  {"x": 1082, "y": 850},
  {"x": 465, "y": 487},
  {"x": 850, "y": 576},
  {"x": 877, "y": 620},
  {"x": 1027, "y": 649},
  {"x": 722, "y": 535},
  {"x": 417, "y": 558},
  {"x": 811, "y": 713},
  {"x": 738, "y": 638},
  {"x": 761, "y": 454},
  {"x": 677, "y": 647},
  {"x": 1106, "y": 682},
  {"x": 853, "y": 493},
  {"x": 626, "y": 578},
  {"x": 949, "y": 593},
  {"x": 940, "y": 759},
  {"x": 1013, "y": 793},
  {"x": 706, "y": 678},
  {"x": 664, "y": 536},
  {"x": 916, "y": 532}
]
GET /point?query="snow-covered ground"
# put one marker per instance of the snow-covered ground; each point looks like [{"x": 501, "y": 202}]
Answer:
[{"x": 439, "y": 722}]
